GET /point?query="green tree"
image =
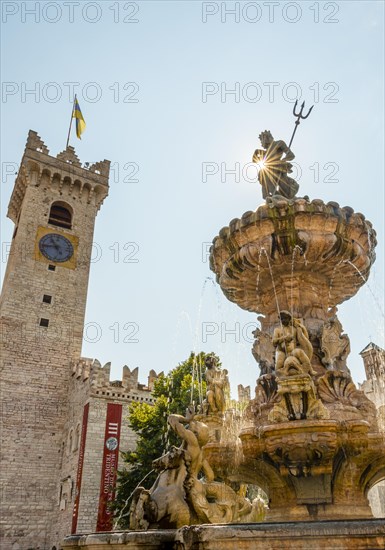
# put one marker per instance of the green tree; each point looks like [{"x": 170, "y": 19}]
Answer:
[{"x": 173, "y": 393}]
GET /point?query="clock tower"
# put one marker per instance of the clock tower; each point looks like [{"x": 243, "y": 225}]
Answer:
[{"x": 53, "y": 206}]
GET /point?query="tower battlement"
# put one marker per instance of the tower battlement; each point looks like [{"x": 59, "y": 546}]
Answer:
[
  {"x": 98, "y": 377},
  {"x": 63, "y": 173}
]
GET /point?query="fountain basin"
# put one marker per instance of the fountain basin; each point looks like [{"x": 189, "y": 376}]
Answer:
[
  {"x": 297, "y": 255},
  {"x": 309, "y": 469},
  {"x": 340, "y": 535}
]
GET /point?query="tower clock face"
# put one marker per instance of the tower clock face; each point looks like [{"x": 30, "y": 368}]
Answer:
[{"x": 55, "y": 247}]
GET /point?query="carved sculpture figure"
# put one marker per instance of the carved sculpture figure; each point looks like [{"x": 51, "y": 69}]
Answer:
[
  {"x": 217, "y": 384},
  {"x": 293, "y": 347},
  {"x": 164, "y": 505},
  {"x": 293, "y": 369},
  {"x": 274, "y": 164},
  {"x": 180, "y": 496}
]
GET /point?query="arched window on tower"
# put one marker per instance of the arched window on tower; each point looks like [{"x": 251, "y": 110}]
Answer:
[{"x": 60, "y": 215}]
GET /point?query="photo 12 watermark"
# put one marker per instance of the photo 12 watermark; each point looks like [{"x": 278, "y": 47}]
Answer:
[
  {"x": 234, "y": 333},
  {"x": 53, "y": 92},
  {"x": 70, "y": 12},
  {"x": 270, "y": 92},
  {"x": 235, "y": 172},
  {"x": 270, "y": 12}
]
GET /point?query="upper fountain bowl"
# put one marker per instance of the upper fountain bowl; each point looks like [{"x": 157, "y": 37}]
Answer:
[{"x": 299, "y": 255}]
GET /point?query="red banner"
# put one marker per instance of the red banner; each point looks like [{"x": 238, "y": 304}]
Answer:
[
  {"x": 110, "y": 465},
  {"x": 80, "y": 469}
]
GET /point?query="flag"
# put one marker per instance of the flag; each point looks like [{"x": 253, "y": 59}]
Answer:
[{"x": 80, "y": 122}]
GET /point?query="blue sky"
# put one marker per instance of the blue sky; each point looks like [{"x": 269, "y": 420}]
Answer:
[{"x": 141, "y": 88}]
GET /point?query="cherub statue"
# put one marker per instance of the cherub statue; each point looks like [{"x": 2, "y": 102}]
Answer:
[{"x": 274, "y": 164}]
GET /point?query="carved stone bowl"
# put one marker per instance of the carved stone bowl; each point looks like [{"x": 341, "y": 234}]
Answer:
[{"x": 298, "y": 255}]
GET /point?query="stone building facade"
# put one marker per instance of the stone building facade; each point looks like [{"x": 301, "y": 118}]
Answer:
[
  {"x": 56, "y": 406},
  {"x": 374, "y": 388}
]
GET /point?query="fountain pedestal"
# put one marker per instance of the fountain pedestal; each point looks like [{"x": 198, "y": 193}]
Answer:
[{"x": 310, "y": 439}]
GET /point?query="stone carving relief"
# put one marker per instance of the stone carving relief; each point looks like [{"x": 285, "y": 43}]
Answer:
[
  {"x": 338, "y": 390},
  {"x": 335, "y": 346},
  {"x": 263, "y": 351},
  {"x": 265, "y": 396}
]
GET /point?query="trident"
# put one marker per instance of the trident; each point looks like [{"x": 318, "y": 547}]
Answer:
[{"x": 299, "y": 116}]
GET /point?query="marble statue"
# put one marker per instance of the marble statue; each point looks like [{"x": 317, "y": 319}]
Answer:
[{"x": 274, "y": 162}]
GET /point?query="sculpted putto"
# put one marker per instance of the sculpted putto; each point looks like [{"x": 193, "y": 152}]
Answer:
[{"x": 274, "y": 162}]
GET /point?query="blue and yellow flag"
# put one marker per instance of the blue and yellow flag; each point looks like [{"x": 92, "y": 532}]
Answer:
[{"x": 80, "y": 122}]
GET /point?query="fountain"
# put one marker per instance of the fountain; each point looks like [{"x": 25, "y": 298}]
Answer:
[{"x": 309, "y": 438}]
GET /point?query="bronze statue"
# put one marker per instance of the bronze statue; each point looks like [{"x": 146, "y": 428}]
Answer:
[{"x": 274, "y": 164}]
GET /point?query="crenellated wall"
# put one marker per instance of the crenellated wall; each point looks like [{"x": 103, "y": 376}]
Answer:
[
  {"x": 63, "y": 174},
  {"x": 90, "y": 383}
]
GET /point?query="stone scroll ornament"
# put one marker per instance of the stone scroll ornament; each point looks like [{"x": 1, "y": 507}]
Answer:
[
  {"x": 185, "y": 491},
  {"x": 335, "y": 346}
]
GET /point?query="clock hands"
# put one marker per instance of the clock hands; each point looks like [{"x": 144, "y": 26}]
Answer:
[{"x": 56, "y": 247}]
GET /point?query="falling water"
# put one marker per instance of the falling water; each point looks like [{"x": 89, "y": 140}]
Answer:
[
  {"x": 368, "y": 286},
  {"x": 258, "y": 272},
  {"x": 272, "y": 278},
  {"x": 331, "y": 283},
  {"x": 122, "y": 515},
  {"x": 295, "y": 250},
  {"x": 182, "y": 315},
  {"x": 198, "y": 370}
]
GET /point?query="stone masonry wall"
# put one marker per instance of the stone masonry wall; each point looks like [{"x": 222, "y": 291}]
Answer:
[
  {"x": 90, "y": 383},
  {"x": 36, "y": 360}
]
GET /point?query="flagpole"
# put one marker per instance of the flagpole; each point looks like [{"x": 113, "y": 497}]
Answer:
[{"x": 72, "y": 116}]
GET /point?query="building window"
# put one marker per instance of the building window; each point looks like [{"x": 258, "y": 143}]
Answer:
[
  {"x": 47, "y": 299},
  {"x": 51, "y": 267},
  {"x": 60, "y": 215},
  {"x": 44, "y": 322}
]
